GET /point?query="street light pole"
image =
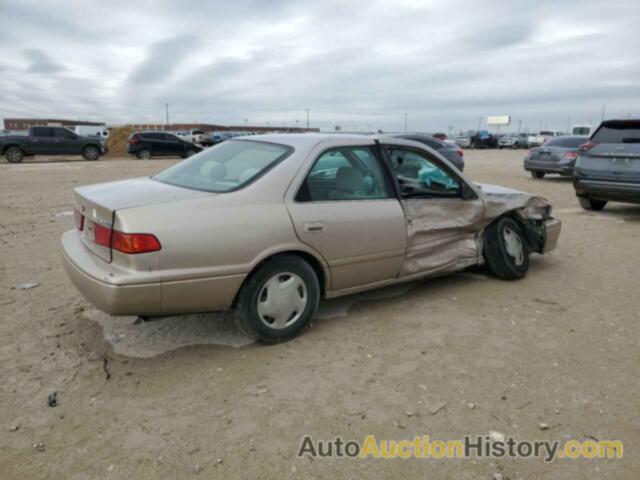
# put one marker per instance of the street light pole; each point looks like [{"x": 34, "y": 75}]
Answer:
[
  {"x": 307, "y": 118},
  {"x": 405, "y": 121},
  {"x": 166, "y": 111}
]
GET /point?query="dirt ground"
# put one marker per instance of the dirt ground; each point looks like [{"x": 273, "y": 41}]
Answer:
[{"x": 183, "y": 397}]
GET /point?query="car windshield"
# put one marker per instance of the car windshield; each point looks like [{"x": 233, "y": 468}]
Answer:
[{"x": 225, "y": 167}]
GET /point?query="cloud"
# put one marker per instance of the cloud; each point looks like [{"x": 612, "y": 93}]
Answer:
[
  {"x": 40, "y": 62},
  {"x": 163, "y": 58},
  {"x": 443, "y": 63}
]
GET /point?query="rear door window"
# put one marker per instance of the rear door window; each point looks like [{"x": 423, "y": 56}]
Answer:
[{"x": 345, "y": 173}]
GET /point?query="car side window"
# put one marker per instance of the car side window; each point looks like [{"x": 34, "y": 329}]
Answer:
[
  {"x": 62, "y": 133},
  {"x": 42, "y": 132},
  {"x": 419, "y": 176},
  {"x": 345, "y": 173},
  {"x": 169, "y": 137}
]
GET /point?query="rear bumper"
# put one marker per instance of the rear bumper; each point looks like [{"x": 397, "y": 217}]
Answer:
[
  {"x": 565, "y": 169},
  {"x": 607, "y": 190},
  {"x": 117, "y": 291},
  {"x": 552, "y": 233}
]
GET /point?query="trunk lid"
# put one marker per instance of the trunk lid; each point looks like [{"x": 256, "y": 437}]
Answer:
[{"x": 99, "y": 203}]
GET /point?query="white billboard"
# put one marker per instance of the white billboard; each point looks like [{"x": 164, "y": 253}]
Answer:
[{"x": 499, "y": 120}]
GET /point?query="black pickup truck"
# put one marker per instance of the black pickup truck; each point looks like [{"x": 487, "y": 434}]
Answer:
[{"x": 50, "y": 141}]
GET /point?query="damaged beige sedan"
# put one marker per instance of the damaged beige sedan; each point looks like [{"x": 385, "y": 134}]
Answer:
[{"x": 267, "y": 226}]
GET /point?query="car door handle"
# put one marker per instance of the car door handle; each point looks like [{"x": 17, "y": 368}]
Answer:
[{"x": 314, "y": 227}]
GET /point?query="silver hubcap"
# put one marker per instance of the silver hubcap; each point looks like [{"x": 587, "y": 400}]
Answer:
[
  {"x": 92, "y": 153},
  {"x": 513, "y": 244},
  {"x": 145, "y": 154},
  {"x": 282, "y": 300},
  {"x": 13, "y": 155}
]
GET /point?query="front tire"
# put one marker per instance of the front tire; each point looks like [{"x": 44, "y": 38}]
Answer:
[
  {"x": 537, "y": 175},
  {"x": 91, "y": 153},
  {"x": 278, "y": 300},
  {"x": 14, "y": 155},
  {"x": 591, "y": 204},
  {"x": 189, "y": 153},
  {"x": 506, "y": 251}
]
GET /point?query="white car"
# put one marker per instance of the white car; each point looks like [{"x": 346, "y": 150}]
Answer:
[
  {"x": 542, "y": 137},
  {"x": 194, "y": 136}
]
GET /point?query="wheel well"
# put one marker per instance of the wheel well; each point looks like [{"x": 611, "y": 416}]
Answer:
[
  {"x": 7, "y": 147},
  {"x": 533, "y": 241},
  {"x": 307, "y": 257}
]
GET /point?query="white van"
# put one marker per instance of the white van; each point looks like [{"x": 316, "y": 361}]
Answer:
[{"x": 92, "y": 131}]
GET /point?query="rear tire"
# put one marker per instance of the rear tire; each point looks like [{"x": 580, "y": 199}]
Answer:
[
  {"x": 91, "y": 153},
  {"x": 278, "y": 300},
  {"x": 591, "y": 204},
  {"x": 537, "y": 175},
  {"x": 144, "y": 154},
  {"x": 506, "y": 251},
  {"x": 14, "y": 155}
]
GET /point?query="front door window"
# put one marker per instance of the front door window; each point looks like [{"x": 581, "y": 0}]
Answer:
[{"x": 420, "y": 177}]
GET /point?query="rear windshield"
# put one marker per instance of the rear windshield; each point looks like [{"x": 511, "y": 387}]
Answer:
[
  {"x": 225, "y": 167},
  {"x": 566, "y": 142},
  {"x": 629, "y": 133}
]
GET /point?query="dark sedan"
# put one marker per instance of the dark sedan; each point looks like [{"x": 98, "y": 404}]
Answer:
[
  {"x": 450, "y": 151},
  {"x": 558, "y": 155},
  {"x": 145, "y": 145}
]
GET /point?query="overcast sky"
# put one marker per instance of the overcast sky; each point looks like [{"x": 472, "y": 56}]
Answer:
[{"x": 359, "y": 64}]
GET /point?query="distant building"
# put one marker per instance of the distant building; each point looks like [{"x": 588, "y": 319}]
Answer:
[
  {"x": 207, "y": 127},
  {"x": 25, "y": 123}
]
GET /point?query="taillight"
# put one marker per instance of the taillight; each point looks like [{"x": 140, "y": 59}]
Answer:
[
  {"x": 130, "y": 243},
  {"x": 133, "y": 140},
  {"x": 585, "y": 147},
  {"x": 79, "y": 218},
  {"x": 571, "y": 155},
  {"x": 460, "y": 152},
  {"x": 134, "y": 242}
]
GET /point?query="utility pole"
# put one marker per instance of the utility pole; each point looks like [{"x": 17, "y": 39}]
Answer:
[
  {"x": 166, "y": 111},
  {"x": 307, "y": 118},
  {"x": 568, "y": 123},
  {"x": 604, "y": 110},
  {"x": 479, "y": 123},
  {"x": 519, "y": 126},
  {"x": 405, "y": 121}
]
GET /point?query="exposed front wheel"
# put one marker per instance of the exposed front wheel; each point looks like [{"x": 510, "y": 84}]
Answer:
[
  {"x": 91, "y": 153},
  {"x": 278, "y": 300},
  {"x": 591, "y": 204},
  {"x": 14, "y": 155},
  {"x": 506, "y": 251},
  {"x": 537, "y": 175}
]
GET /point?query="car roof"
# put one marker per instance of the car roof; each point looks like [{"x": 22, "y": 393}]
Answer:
[{"x": 310, "y": 140}]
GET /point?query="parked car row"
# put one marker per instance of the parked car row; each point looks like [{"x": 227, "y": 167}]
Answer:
[{"x": 605, "y": 167}]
